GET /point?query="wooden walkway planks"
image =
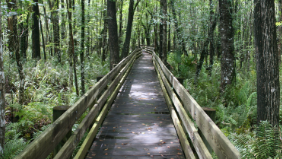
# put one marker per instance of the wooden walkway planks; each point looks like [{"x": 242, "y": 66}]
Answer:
[{"x": 138, "y": 125}]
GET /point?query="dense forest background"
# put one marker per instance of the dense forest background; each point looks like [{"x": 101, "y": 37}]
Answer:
[{"x": 53, "y": 51}]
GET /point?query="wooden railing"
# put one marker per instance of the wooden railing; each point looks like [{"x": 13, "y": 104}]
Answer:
[
  {"x": 182, "y": 106},
  {"x": 46, "y": 142}
]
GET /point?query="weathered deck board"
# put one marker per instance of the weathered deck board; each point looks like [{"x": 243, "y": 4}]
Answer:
[{"x": 138, "y": 125}]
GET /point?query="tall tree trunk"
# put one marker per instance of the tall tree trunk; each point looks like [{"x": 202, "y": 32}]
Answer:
[
  {"x": 169, "y": 36},
  {"x": 179, "y": 41},
  {"x": 211, "y": 37},
  {"x": 14, "y": 46},
  {"x": 48, "y": 34},
  {"x": 113, "y": 37},
  {"x": 35, "y": 31},
  {"x": 24, "y": 35},
  {"x": 71, "y": 47},
  {"x": 156, "y": 37},
  {"x": 227, "y": 44},
  {"x": 164, "y": 36},
  {"x": 104, "y": 35},
  {"x": 161, "y": 31},
  {"x": 125, "y": 49},
  {"x": 177, "y": 34},
  {"x": 82, "y": 46},
  {"x": 43, "y": 42},
  {"x": 280, "y": 32},
  {"x": 63, "y": 23},
  {"x": 88, "y": 43},
  {"x": 2, "y": 91},
  {"x": 204, "y": 52},
  {"x": 268, "y": 88},
  {"x": 120, "y": 21},
  {"x": 56, "y": 30}
]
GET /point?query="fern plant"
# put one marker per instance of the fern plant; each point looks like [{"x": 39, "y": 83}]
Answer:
[
  {"x": 13, "y": 147},
  {"x": 264, "y": 143}
]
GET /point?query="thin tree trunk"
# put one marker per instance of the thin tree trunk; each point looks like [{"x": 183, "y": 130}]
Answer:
[
  {"x": 125, "y": 49},
  {"x": 2, "y": 91},
  {"x": 211, "y": 30},
  {"x": 120, "y": 22},
  {"x": 88, "y": 43},
  {"x": 63, "y": 23},
  {"x": 105, "y": 35},
  {"x": 156, "y": 38},
  {"x": 161, "y": 31},
  {"x": 169, "y": 36},
  {"x": 82, "y": 46},
  {"x": 48, "y": 36},
  {"x": 177, "y": 34},
  {"x": 23, "y": 37},
  {"x": 56, "y": 30},
  {"x": 204, "y": 52},
  {"x": 113, "y": 37},
  {"x": 35, "y": 32},
  {"x": 280, "y": 32},
  {"x": 164, "y": 41},
  {"x": 71, "y": 47},
  {"x": 43, "y": 42}
]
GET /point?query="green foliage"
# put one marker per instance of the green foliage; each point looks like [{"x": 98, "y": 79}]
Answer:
[
  {"x": 13, "y": 147},
  {"x": 262, "y": 144},
  {"x": 13, "y": 143}
]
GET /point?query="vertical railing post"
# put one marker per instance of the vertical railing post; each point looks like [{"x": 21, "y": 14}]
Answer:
[
  {"x": 57, "y": 112},
  {"x": 211, "y": 113}
]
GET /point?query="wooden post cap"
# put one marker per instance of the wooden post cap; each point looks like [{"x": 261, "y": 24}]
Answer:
[
  {"x": 58, "y": 111},
  {"x": 210, "y": 112},
  {"x": 99, "y": 77},
  {"x": 180, "y": 79}
]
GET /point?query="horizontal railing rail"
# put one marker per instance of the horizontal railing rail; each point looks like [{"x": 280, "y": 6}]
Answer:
[
  {"x": 47, "y": 141},
  {"x": 182, "y": 105}
]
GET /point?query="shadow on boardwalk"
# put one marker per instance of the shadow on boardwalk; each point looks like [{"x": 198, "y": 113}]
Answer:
[{"x": 138, "y": 125}]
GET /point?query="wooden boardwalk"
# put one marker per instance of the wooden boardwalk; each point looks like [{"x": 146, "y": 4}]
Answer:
[{"x": 139, "y": 124}]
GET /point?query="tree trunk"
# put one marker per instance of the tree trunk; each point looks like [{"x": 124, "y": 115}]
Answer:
[
  {"x": 204, "y": 52},
  {"x": 161, "y": 31},
  {"x": 113, "y": 37},
  {"x": 63, "y": 23},
  {"x": 177, "y": 33},
  {"x": 164, "y": 41},
  {"x": 227, "y": 44},
  {"x": 24, "y": 35},
  {"x": 156, "y": 38},
  {"x": 82, "y": 46},
  {"x": 88, "y": 43},
  {"x": 35, "y": 31},
  {"x": 71, "y": 47},
  {"x": 169, "y": 36},
  {"x": 268, "y": 88},
  {"x": 280, "y": 32},
  {"x": 125, "y": 49},
  {"x": 2, "y": 91},
  {"x": 211, "y": 30},
  {"x": 14, "y": 46},
  {"x": 104, "y": 35},
  {"x": 48, "y": 36},
  {"x": 56, "y": 30},
  {"x": 43, "y": 42},
  {"x": 120, "y": 22}
]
